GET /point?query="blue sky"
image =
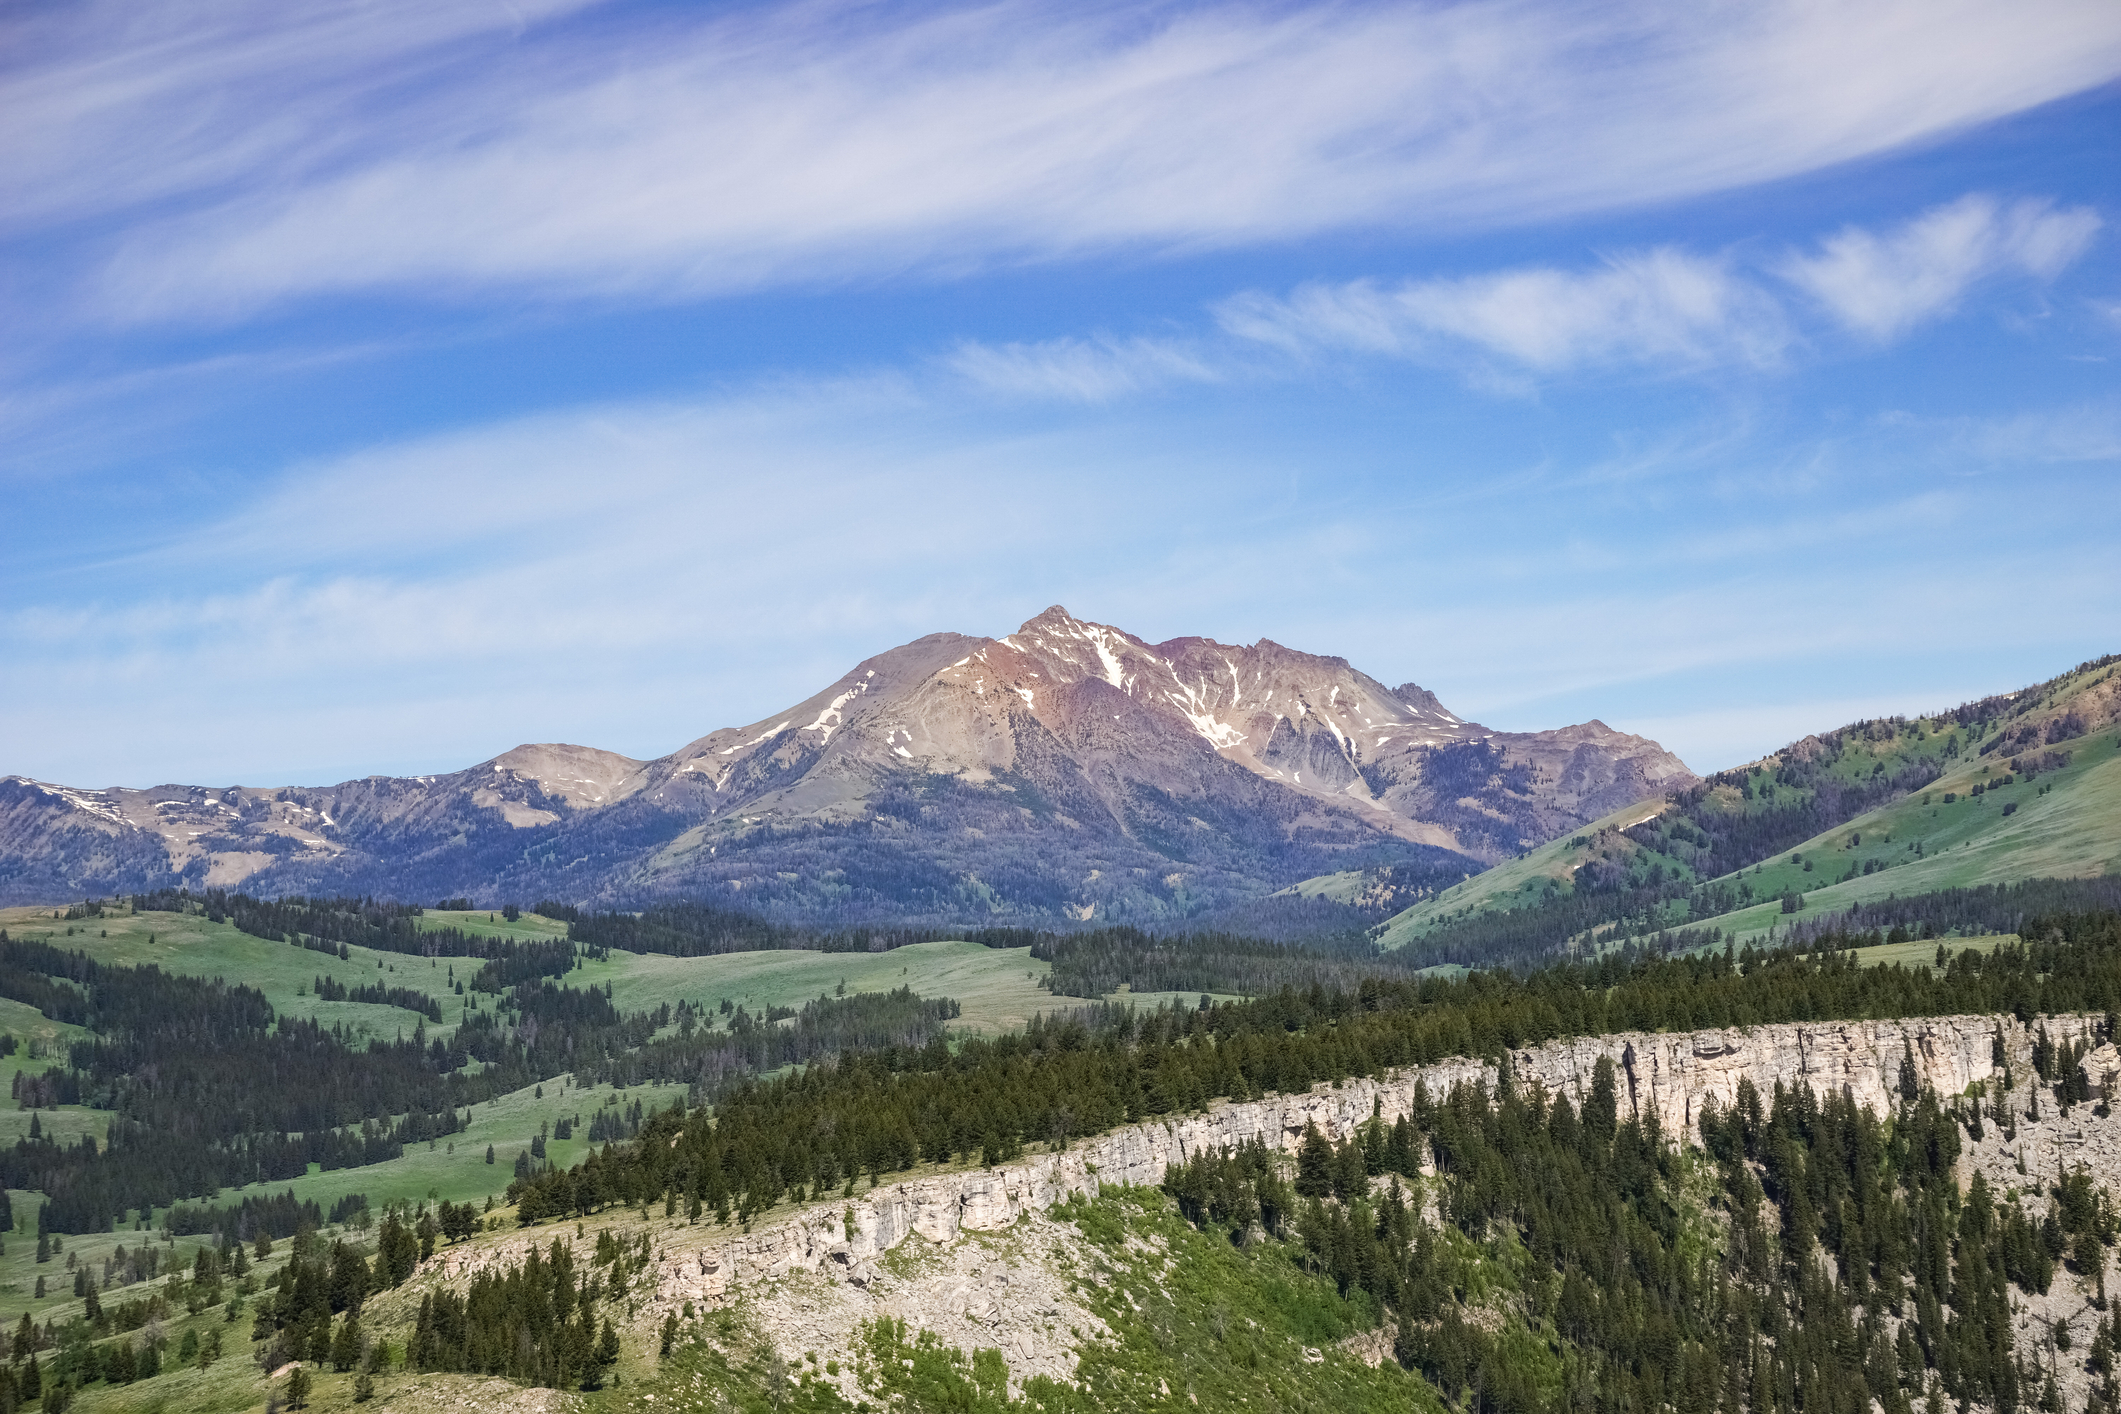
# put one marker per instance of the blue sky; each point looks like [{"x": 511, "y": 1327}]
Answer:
[{"x": 387, "y": 382}]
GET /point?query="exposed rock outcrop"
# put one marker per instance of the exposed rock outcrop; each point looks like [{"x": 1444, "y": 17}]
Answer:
[{"x": 1669, "y": 1075}]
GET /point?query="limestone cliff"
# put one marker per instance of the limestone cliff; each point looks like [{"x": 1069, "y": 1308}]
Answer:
[{"x": 1669, "y": 1074}]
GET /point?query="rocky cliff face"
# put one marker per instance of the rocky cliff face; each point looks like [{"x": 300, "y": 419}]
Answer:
[
  {"x": 973, "y": 1257},
  {"x": 1668, "y": 1075},
  {"x": 1067, "y": 770}
]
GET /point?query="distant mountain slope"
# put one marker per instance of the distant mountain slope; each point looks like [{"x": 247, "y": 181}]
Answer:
[
  {"x": 2037, "y": 816},
  {"x": 1840, "y": 817},
  {"x": 1067, "y": 770}
]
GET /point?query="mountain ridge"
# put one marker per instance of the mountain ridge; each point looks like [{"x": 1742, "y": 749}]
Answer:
[
  {"x": 1066, "y": 770},
  {"x": 2011, "y": 786}
]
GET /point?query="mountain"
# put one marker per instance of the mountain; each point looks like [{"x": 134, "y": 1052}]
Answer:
[{"x": 1066, "y": 770}]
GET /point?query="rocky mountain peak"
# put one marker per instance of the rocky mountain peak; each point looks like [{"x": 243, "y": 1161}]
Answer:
[{"x": 583, "y": 776}]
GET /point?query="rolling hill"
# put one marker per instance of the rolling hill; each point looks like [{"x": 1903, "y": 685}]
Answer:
[{"x": 2023, "y": 785}]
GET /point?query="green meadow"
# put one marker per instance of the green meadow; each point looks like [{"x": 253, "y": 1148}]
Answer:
[
  {"x": 997, "y": 987},
  {"x": 487, "y": 923},
  {"x": 190, "y": 946}
]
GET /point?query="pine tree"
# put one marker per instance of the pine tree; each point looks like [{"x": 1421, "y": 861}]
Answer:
[
  {"x": 346, "y": 1345},
  {"x": 1314, "y": 1164},
  {"x": 608, "y": 1346}
]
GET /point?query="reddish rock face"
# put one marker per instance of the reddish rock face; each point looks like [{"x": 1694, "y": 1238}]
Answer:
[{"x": 1062, "y": 699}]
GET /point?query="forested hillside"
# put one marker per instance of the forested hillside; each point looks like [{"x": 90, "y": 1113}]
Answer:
[
  {"x": 205, "y": 1088},
  {"x": 194, "y": 1076},
  {"x": 1559, "y": 1254}
]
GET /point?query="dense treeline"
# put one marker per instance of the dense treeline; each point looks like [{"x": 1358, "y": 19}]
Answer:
[
  {"x": 884, "y": 1111},
  {"x": 294, "y": 1319},
  {"x": 535, "y": 1322},
  {"x": 1099, "y": 961},
  {"x": 526, "y": 962},
  {"x": 690, "y": 929},
  {"x": 1985, "y": 908},
  {"x": 274, "y": 1215},
  {"x": 375, "y": 993},
  {"x": 1317, "y": 920},
  {"x": 630, "y": 1050}
]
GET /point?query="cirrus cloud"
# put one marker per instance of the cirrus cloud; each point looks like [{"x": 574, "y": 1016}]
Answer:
[
  {"x": 1880, "y": 285},
  {"x": 642, "y": 156},
  {"x": 1092, "y": 370},
  {"x": 1654, "y": 307}
]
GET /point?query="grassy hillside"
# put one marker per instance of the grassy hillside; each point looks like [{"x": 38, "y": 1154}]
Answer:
[
  {"x": 2064, "y": 823},
  {"x": 1812, "y": 819},
  {"x": 1531, "y": 878}
]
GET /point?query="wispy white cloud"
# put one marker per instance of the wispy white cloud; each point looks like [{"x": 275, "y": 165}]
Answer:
[
  {"x": 700, "y": 562},
  {"x": 1662, "y": 307},
  {"x": 1882, "y": 284},
  {"x": 653, "y": 157},
  {"x": 2058, "y": 436},
  {"x": 1090, "y": 370},
  {"x": 111, "y": 105}
]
